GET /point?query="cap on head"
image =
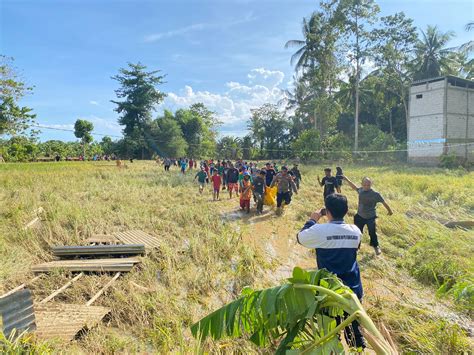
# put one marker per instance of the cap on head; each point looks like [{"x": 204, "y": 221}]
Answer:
[{"x": 284, "y": 168}]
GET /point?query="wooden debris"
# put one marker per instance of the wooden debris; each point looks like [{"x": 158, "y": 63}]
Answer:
[
  {"x": 58, "y": 291},
  {"x": 35, "y": 220},
  {"x": 118, "y": 249},
  {"x": 89, "y": 265},
  {"x": 103, "y": 289},
  {"x": 138, "y": 237},
  {"x": 460, "y": 224},
  {"x": 65, "y": 321},
  {"x": 22, "y": 286}
]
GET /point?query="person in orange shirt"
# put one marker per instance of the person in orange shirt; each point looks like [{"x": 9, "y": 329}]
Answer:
[{"x": 246, "y": 194}]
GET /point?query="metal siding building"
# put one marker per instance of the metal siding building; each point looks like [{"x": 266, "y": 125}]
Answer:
[{"x": 441, "y": 120}]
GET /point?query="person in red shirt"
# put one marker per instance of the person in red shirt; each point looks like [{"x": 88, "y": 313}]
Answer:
[
  {"x": 216, "y": 183},
  {"x": 191, "y": 164}
]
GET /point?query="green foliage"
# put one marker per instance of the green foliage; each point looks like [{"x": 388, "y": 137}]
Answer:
[
  {"x": 14, "y": 119},
  {"x": 18, "y": 149},
  {"x": 449, "y": 161},
  {"x": 22, "y": 344},
  {"x": 167, "y": 137},
  {"x": 140, "y": 98},
  {"x": 307, "y": 145},
  {"x": 269, "y": 129},
  {"x": 299, "y": 315},
  {"x": 82, "y": 130}
]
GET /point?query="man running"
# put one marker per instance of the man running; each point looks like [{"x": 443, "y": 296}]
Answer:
[
  {"x": 285, "y": 185},
  {"x": 336, "y": 245},
  {"x": 366, "y": 211},
  {"x": 329, "y": 182},
  {"x": 201, "y": 176}
]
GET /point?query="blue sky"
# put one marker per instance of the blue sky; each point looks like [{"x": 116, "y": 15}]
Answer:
[{"x": 228, "y": 54}]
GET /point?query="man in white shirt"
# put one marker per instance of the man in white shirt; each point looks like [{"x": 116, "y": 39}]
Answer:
[{"x": 336, "y": 245}]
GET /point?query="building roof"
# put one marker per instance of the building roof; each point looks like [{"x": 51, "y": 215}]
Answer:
[{"x": 453, "y": 80}]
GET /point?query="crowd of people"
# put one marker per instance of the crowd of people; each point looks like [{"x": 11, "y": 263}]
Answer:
[{"x": 336, "y": 242}]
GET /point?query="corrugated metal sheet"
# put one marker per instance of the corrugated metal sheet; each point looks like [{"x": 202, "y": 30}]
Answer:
[
  {"x": 16, "y": 312},
  {"x": 119, "y": 249},
  {"x": 92, "y": 265},
  {"x": 65, "y": 321},
  {"x": 138, "y": 237}
]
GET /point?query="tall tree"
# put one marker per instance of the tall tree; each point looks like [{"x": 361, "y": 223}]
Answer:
[
  {"x": 432, "y": 57},
  {"x": 14, "y": 119},
  {"x": 228, "y": 147},
  {"x": 269, "y": 127},
  {"x": 82, "y": 130},
  {"x": 358, "y": 16},
  {"x": 138, "y": 89},
  {"x": 395, "y": 43}
]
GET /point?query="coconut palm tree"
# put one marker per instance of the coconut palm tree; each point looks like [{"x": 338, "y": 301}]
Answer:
[
  {"x": 303, "y": 56},
  {"x": 432, "y": 57},
  {"x": 468, "y": 46}
]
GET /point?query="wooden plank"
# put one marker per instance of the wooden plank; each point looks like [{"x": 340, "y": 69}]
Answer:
[
  {"x": 65, "y": 321},
  {"x": 138, "y": 237},
  {"x": 58, "y": 291},
  {"x": 22, "y": 286},
  {"x": 97, "y": 265},
  {"x": 103, "y": 289}
]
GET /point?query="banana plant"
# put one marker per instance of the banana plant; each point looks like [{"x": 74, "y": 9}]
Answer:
[{"x": 299, "y": 316}]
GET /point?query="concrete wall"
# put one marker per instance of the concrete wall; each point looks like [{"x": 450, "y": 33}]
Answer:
[
  {"x": 460, "y": 127},
  {"x": 426, "y": 122}
]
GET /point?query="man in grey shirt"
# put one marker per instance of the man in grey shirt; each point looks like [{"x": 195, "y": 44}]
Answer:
[{"x": 366, "y": 212}]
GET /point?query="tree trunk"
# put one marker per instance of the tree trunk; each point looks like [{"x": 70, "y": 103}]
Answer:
[
  {"x": 390, "y": 121},
  {"x": 356, "y": 119}
]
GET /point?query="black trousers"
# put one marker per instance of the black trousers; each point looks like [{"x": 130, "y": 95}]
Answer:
[
  {"x": 258, "y": 198},
  {"x": 283, "y": 196},
  {"x": 167, "y": 167},
  {"x": 360, "y": 222}
]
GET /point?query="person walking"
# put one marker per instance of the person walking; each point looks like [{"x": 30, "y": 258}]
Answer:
[
  {"x": 202, "y": 177},
  {"x": 367, "y": 210},
  {"x": 285, "y": 186},
  {"x": 329, "y": 182},
  {"x": 246, "y": 192},
  {"x": 233, "y": 180},
  {"x": 270, "y": 173},
  {"x": 297, "y": 174},
  {"x": 259, "y": 190},
  {"x": 336, "y": 244}
]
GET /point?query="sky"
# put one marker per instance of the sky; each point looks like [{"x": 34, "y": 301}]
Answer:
[{"x": 228, "y": 54}]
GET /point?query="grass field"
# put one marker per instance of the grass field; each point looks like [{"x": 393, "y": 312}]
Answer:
[{"x": 421, "y": 287}]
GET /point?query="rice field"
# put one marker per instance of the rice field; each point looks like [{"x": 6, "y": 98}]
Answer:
[{"x": 421, "y": 288}]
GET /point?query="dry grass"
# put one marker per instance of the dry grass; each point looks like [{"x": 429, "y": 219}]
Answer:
[{"x": 205, "y": 259}]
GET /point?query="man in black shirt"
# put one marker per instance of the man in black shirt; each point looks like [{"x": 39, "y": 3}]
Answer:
[
  {"x": 232, "y": 180},
  {"x": 259, "y": 190},
  {"x": 329, "y": 182},
  {"x": 270, "y": 173},
  {"x": 297, "y": 174}
]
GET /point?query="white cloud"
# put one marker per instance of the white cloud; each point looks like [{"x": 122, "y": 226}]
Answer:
[
  {"x": 234, "y": 105},
  {"x": 56, "y": 126},
  {"x": 95, "y": 103},
  {"x": 198, "y": 27}
]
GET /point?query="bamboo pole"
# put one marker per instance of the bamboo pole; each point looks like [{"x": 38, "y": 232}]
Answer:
[
  {"x": 103, "y": 289},
  {"x": 58, "y": 291}
]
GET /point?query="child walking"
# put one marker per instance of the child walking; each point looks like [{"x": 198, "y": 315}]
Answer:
[
  {"x": 246, "y": 194},
  {"x": 201, "y": 176},
  {"x": 216, "y": 183}
]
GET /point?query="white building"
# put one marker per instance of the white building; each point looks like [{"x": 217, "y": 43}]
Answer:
[{"x": 441, "y": 120}]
